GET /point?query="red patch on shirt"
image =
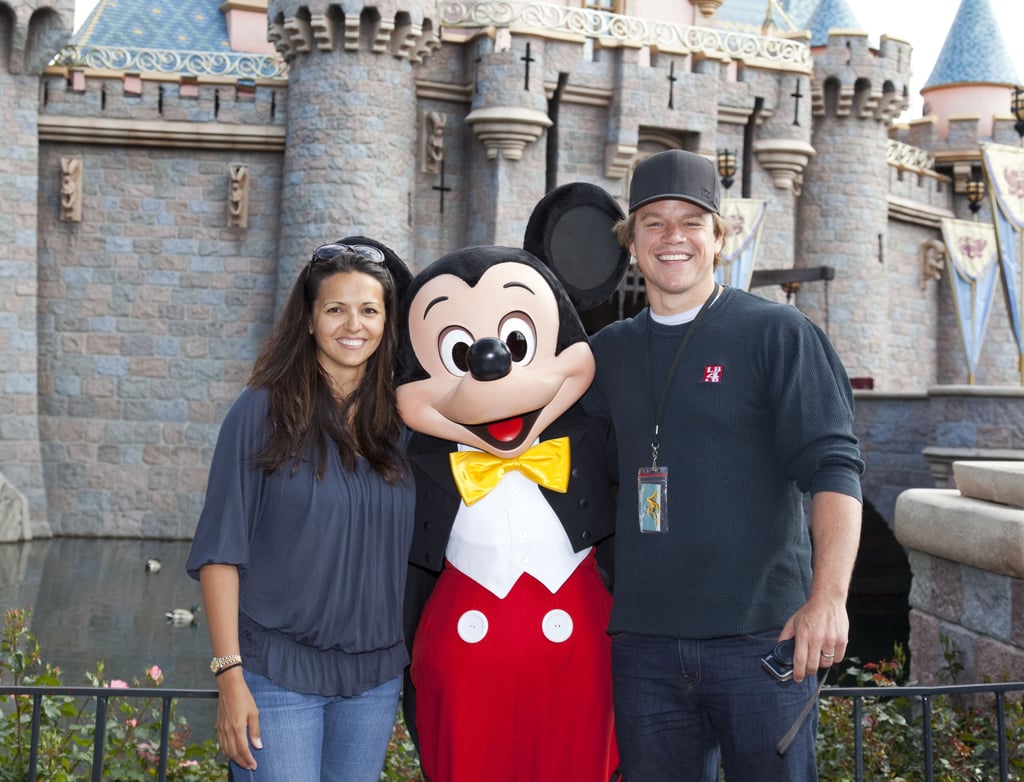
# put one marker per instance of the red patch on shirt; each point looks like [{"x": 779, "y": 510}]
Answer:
[{"x": 713, "y": 373}]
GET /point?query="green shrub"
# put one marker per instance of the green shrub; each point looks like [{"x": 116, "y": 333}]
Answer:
[{"x": 964, "y": 736}]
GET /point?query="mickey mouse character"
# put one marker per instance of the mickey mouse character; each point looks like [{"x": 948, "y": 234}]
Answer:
[{"x": 507, "y": 606}]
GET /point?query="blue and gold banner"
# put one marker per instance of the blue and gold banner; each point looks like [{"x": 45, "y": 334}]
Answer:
[
  {"x": 1004, "y": 168},
  {"x": 973, "y": 259},
  {"x": 745, "y": 217}
]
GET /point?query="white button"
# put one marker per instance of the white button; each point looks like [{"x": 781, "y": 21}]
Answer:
[
  {"x": 524, "y": 559},
  {"x": 472, "y": 627},
  {"x": 556, "y": 625}
]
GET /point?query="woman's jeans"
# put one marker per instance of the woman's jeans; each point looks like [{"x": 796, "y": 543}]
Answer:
[
  {"x": 680, "y": 705},
  {"x": 307, "y": 738}
]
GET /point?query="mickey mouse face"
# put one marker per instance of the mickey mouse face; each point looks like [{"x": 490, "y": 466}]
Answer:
[{"x": 495, "y": 379}]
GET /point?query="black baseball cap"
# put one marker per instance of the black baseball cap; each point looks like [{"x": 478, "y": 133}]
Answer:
[{"x": 675, "y": 173}]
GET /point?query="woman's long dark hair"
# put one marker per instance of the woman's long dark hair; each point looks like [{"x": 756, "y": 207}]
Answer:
[{"x": 304, "y": 413}]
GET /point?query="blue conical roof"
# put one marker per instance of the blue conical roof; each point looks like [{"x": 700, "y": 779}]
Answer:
[
  {"x": 178, "y": 25},
  {"x": 974, "y": 50},
  {"x": 800, "y": 11},
  {"x": 831, "y": 14}
]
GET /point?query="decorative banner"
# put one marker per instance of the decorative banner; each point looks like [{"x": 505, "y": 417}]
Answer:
[
  {"x": 745, "y": 217},
  {"x": 1004, "y": 167},
  {"x": 972, "y": 253}
]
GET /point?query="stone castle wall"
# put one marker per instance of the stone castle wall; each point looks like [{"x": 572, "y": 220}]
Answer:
[
  {"x": 150, "y": 313},
  {"x": 132, "y": 329}
]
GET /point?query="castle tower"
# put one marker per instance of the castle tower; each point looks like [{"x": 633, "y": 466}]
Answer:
[
  {"x": 508, "y": 115},
  {"x": 350, "y": 149},
  {"x": 973, "y": 72},
  {"x": 843, "y": 211},
  {"x": 32, "y": 34}
]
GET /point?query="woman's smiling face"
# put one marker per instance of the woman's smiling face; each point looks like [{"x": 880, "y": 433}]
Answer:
[{"x": 348, "y": 322}]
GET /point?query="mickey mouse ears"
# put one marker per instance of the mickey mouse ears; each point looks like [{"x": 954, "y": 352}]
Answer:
[{"x": 570, "y": 230}]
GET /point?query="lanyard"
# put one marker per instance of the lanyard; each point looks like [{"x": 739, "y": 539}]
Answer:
[{"x": 655, "y": 442}]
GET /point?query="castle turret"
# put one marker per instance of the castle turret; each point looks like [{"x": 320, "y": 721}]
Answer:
[
  {"x": 843, "y": 213},
  {"x": 349, "y": 153},
  {"x": 973, "y": 71}
]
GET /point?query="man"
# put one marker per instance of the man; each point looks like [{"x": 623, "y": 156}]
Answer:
[{"x": 728, "y": 410}]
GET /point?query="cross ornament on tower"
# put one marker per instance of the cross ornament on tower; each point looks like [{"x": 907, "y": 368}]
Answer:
[
  {"x": 796, "y": 103},
  {"x": 441, "y": 188},
  {"x": 527, "y": 59}
]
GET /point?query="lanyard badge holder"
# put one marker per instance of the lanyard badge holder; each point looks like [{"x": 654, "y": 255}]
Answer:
[
  {"x": 652, "y": 489},
  {"x": 652, "y": 481}
]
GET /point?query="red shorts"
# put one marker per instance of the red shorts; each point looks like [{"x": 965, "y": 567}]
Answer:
[{"x": 515, "y": 689}]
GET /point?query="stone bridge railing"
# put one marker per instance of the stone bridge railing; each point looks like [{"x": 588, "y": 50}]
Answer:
[{"x": 966, "y": 551}]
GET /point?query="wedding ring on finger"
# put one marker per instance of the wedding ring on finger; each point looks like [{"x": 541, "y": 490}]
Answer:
[{"x": 828, "y": 655}]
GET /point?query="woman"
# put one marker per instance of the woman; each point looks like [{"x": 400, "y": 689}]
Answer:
[{"x": 301, "y": 547}]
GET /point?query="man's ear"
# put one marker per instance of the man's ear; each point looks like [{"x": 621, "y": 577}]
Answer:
[{"x": 570, "y": 230}]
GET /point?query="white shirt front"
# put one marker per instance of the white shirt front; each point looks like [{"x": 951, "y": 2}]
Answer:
[{"x": 511, "y": 531}]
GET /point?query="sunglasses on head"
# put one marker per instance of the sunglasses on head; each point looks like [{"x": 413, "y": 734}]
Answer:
[{"x": 327, "y": 252}]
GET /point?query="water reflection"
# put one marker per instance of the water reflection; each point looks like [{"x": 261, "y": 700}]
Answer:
[{"x": 93, "y": 599}]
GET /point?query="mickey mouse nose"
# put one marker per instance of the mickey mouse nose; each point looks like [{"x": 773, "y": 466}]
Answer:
[{"x": 489, "y": 359}]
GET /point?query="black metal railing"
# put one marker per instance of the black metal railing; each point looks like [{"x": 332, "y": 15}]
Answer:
[
  {"x": 921, "y": 695},
  {"x": 924, "y": 696},
  {"x": 102, "y": 696}
]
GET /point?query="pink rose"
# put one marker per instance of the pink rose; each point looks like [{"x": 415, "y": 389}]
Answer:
[
  {"x": 117, "y": 684},
  {"x": 155, "y": 674}
]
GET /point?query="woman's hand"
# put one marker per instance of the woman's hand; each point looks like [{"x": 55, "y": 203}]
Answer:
[{"x": 238, "y": 719}]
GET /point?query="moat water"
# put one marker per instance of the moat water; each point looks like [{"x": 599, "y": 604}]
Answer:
[{"x": 94, "y": 600}]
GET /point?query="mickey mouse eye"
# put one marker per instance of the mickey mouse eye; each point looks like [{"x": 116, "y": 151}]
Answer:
[
  {"x": 453, "y": 348},
  {"x": 519, "y": 334}
]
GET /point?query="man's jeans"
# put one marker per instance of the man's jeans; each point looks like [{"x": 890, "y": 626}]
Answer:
[
  {"x": 312, "y": 738},
  {"x": 681, "y": 704}
]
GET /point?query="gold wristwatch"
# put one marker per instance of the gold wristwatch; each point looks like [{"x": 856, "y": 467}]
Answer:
[{"x": 218, "y": 664}]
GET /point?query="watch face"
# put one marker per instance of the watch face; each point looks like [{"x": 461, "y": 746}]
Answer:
[{"x": 213, "y": 666}]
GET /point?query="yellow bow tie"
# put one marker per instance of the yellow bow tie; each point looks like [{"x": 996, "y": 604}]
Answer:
[{"x": 476, "y": 472}]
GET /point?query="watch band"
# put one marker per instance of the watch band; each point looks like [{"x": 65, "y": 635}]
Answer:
[{"x": 218, "y": 664}]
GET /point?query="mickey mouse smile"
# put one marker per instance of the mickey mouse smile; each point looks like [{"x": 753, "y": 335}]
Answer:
[{"x": 508, "y": 433}]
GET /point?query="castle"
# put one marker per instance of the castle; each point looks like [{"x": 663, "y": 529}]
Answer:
[{"x": 169, "y": 169}]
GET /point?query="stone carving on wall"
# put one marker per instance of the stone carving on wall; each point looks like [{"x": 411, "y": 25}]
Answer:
[
  {"x": 238, "y": 197},
  {"x": 71, "y": 189},
  {"x": 14, "y": 518},
  {"x": 933, "y": 261},
  {"x": 433, "y": 141}
]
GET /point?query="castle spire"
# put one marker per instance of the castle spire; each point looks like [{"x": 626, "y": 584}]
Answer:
[
  {"x": 974, "y": 50},
  {"x": 973, "y": 72},
  {"x": 831, "y": 15}
]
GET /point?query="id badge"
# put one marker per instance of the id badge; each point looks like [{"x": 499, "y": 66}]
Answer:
[{"x": 652, "y": 489}]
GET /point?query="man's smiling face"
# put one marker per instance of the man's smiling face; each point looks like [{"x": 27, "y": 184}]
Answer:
[{"x": 674, "y": 244}]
